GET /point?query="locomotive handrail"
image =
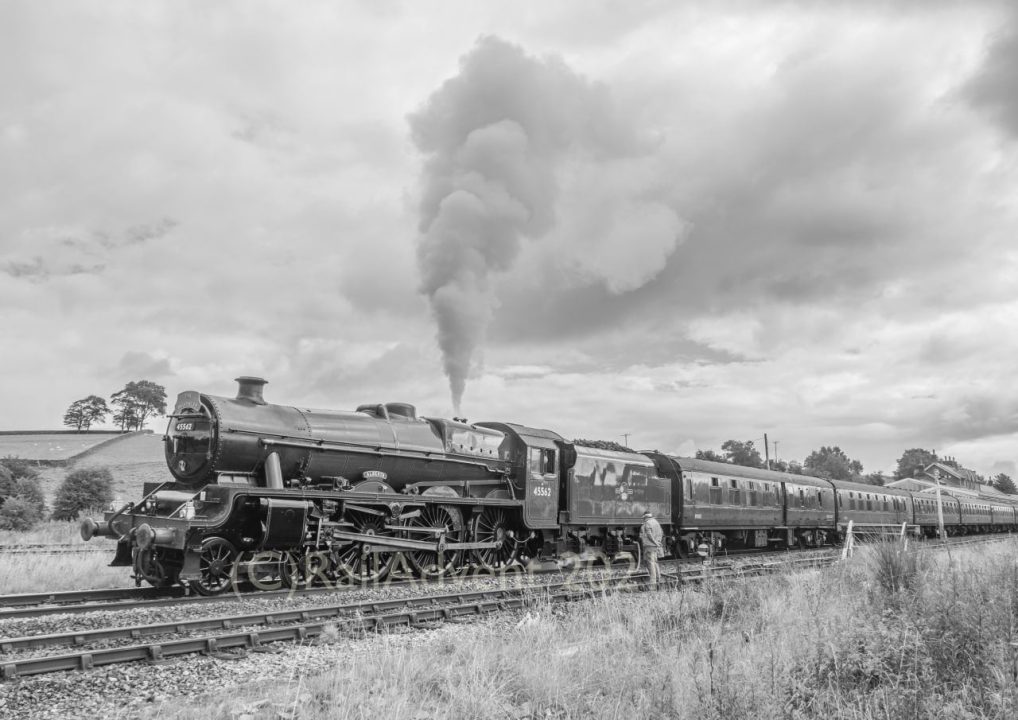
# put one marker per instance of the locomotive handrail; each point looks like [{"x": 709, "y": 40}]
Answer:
[
  {"x": 190, "y": 499},
  {"x": 334, "y": 446}
]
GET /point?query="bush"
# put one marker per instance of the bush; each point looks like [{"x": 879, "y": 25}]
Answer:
[
  {"x": 895, "y": 569},
  {"x": 30, "y": 492},
  {"x": 19, "y": 513},
  {"x": 6, "y": 483},
  {"x": 82, "y": 490},
  {"x": 19, "y": 468},
  {"x": 25, "y": 487}
]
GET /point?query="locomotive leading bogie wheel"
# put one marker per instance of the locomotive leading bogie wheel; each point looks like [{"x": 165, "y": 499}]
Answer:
[
  {"x": 427, "y": 564},
  {"x": 217, "y": 566},
  {"x": 356, "y": 562},
  {"x": 494, "y": 525},
  {"x": 152, "y": 566}
]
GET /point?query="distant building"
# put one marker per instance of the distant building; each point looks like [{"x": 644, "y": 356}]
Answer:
[
  {"x": 951, "y": 476},
  {"x": 956, "y": 480}
]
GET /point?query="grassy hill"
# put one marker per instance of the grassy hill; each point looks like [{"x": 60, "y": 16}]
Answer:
[{"x": 133, "y": 461}]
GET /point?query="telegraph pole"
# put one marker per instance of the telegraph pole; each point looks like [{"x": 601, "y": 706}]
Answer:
[
  {"x": 625, "y": 439},
  {"x": 767, "y": 452},
  {"x": 940, "y": 507}
]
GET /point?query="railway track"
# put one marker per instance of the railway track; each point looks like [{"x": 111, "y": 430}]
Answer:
[
  {"x": 50, "y": 549},
  {"x": 113, "y": 599},
  {"x": 252, "y": 631}
]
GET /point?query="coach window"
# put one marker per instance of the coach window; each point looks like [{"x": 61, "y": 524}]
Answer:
[
  {"x": 802, "y": 498},
  {"x": 715, "y": 491},
  {"x": 752, "y": 494},
  {"x": 841, "y": 500},
  {"x": 733, "y": 494},
  {"x": 820, "y": 500}
]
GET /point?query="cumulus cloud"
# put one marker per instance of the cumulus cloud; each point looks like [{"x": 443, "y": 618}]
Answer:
[{"x": 994, "y": 87}]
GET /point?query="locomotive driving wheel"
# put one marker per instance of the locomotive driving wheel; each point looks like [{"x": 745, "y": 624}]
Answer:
[
  {"x": 428, "y": 564},
  {"x": 494, "y": 526},
  {"x": 356, "y": 561},
  {"x": 299, "y": 570},
  {"x": 217, "y": 564}
]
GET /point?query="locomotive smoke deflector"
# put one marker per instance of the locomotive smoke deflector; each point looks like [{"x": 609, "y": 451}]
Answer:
[{"x": 250, "y": 388}]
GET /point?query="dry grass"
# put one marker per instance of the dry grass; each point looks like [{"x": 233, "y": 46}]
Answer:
[
  {"x": 37, "y": 572},
  {"x": 43, "y": 572},
  {"x": 835, "y": 643},
  {"x": 52, "y": 532}
]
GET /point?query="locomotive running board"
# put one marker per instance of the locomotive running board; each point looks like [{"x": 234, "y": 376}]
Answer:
[{"x": 385, "y": 543}]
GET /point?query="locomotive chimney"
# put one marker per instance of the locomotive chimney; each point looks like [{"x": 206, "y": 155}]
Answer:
[{"x": 250, "y": 389}]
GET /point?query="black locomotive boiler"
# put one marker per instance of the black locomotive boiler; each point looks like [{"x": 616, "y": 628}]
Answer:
[{"x": 272, "y": 493}]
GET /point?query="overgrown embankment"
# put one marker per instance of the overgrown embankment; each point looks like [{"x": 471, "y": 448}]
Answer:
[{"x": 883, "y": 635}]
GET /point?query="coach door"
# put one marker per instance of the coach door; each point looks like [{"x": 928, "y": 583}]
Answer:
[{"x": 542, "y": 486}]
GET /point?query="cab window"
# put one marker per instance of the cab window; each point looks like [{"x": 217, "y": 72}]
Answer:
[{"x": 542, "y": 461}]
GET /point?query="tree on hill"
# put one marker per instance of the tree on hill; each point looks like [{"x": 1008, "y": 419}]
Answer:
[
  {"x": 136, "y": 402},
  {"x": 912, "y": 462},
  {"x": 1005, "y": 484},
  {"x": 82, "y": 414},
  {"x": 873, "y": 478},
  {"x": 710, "y": 455},
  {"x": 833, "y": 463},
  {"x": 84, "y": 489},
  {"x": 742, "y": 453}
]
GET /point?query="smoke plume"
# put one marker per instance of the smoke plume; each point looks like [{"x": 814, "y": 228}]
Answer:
[{"x": 495, "y": 139}]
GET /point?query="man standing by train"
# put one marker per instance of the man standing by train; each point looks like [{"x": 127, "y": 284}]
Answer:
[{"x": 652, "y": 539}]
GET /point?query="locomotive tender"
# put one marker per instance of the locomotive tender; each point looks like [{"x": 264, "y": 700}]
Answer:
[{"x": 262, "y": 491}]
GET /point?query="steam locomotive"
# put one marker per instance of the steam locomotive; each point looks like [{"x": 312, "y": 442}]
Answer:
[{"x": 267, "y": 492}]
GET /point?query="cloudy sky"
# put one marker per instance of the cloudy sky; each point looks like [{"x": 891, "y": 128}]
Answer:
[{"x": 684, "y": 222}]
